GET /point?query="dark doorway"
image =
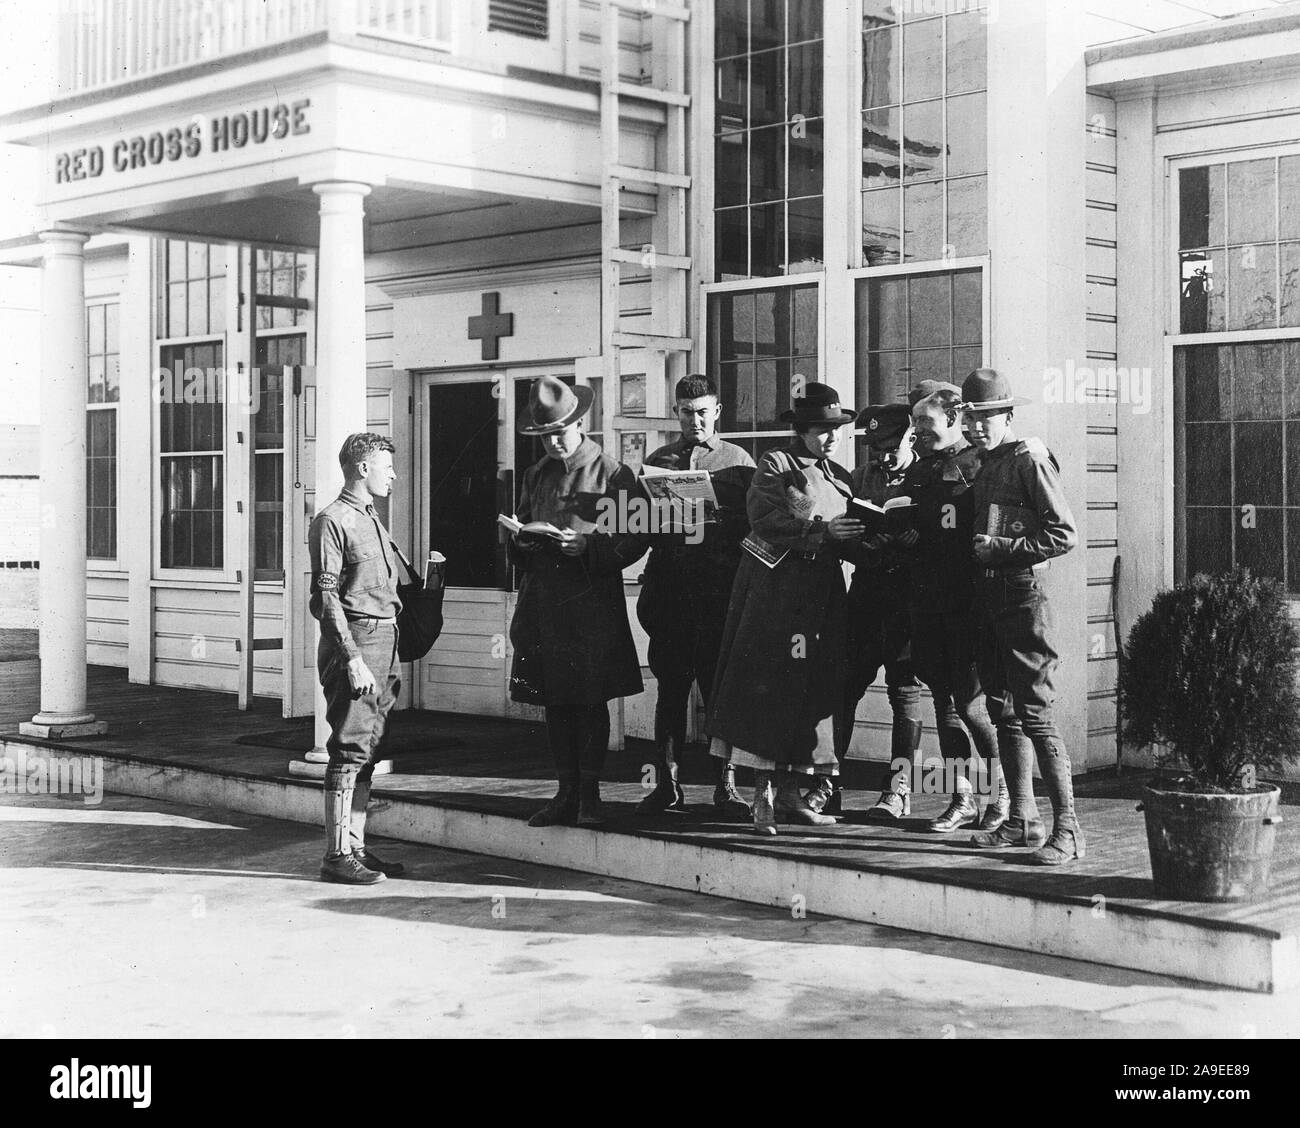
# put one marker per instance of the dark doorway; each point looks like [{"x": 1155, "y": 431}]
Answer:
[{"x": 462, "y": 482}]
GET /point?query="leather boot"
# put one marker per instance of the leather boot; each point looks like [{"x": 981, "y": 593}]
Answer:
[
  {"x": 562, "y": 810},
  {"x": 726, "y": 799},
  {"x": 340, "y": 865},
  {"x": 996, "y": 811},
  {"x": 825, "y": 797},
  {"x": 790, "y": 805},
  {"x": 590, "y": 810},
  {"x": 962, "y": 811},
  {"x": 1065, "y": 844},
  {"x": 764, "y": 813},
  {"x": 667, "y": 794},
  {"x": 1012, "y": 833},
  {"x": 357, "y": 829}
]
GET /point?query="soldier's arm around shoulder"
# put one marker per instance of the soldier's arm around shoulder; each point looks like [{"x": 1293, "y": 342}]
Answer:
[
  {"x": 1041, "y": 477},
  {"x": 325, "y": 544}
]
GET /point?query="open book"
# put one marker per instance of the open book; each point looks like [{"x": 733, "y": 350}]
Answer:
[
  {"x": 896, "y": 516},
  {"x": 533, "y": 528}
]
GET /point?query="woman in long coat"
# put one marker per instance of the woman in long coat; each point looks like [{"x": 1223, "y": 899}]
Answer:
[
  {"x": 573, "y": 646},
  {"x": 782, "y": 663}
]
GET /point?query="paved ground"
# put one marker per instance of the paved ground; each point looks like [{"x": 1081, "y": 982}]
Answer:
[{"x": 143, "y": 918}]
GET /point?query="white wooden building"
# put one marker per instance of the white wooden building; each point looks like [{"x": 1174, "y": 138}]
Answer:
[{"x": 395, "y": 215}]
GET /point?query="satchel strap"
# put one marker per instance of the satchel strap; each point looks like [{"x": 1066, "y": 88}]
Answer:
[{"x": 415, "y": 576}]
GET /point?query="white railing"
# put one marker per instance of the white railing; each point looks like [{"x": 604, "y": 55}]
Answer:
[{"x": 102, "y": 42}]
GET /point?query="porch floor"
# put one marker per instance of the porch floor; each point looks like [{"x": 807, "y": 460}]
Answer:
[{"x": 499, "y": 770}]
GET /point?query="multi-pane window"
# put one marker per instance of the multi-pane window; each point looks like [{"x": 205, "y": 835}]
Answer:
[
  {"x": 1239, "y": 457},
  {"x": 913, "y": 327},
  {"x": 768, "y": 138},
  {"x": 762, "y": 350},
  {"x": 192, "y": 297},
  {"x": 1239, "y": 245},
  {"x": 102, "y": 383},
  {"x": 191, "y": 430},
  {"x": 285, "y": 284},
  {"x": 924, "y": 131},
  {"x": 274, "y": 354}
]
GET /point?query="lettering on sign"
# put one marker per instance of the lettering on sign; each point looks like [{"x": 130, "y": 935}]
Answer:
[{"x": 223, "y": 134}]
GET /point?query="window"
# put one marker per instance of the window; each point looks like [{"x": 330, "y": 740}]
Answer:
[
  {"x": 1238, "y": 458},
  {"x": 192, "y": 298},
  {"x": 762, "y": 348},
  {"x": 529, "y": 18},
  {"x": 191, "y": 424},
  {"x": 285, "y": 284},
  {"x": 274, "y": 354},
  {"x": 924, "y": 132},
  {"x": 1239, "y": 245},
  {"x": 102, "y": 383},
  {"x": 768, "y": 138},
  {"x": 914, "y": 327}
]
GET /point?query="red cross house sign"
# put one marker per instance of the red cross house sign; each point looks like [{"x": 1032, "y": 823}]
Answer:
[{"x": 491, "y": 325}]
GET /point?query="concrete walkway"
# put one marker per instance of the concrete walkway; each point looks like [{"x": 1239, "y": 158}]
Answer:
[{"x": 140, "y": 918}]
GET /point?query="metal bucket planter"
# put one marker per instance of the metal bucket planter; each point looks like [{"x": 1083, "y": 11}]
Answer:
[{"x": 1207, "y": 847}]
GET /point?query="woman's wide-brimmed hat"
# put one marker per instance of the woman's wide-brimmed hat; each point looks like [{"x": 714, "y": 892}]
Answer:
[
  {"x": 820, "y": 403},
  {"x": 987, "y": 390},
  {"x": 553, "y": 405}
]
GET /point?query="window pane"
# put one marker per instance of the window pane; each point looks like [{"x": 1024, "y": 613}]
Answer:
[
  {"x": 878, "y": 13},
  {"x": 1252, "y": 201},
  {"x": 198, "y": 260},
  {"x": 964, "y": 362},
  {"x": 767, "y": 163},
  {"x": 805, "y": 321},
  {"x": 732, "y": 239},
  {"x": 805, "y": 18},
  {"x": 928, "y": 364},
  {"x": 968, "y": 216},
  {"x": 737, "y": 388},
  {"x": 1293, "y": 550},
  {"x": 730, "y": 170},
  {"x": 806, "y": 152},
  {"x": 1204, "y": 282},
  {"x": 1207, "y": 382},
  {"x": 922, "y": 60},
  {"x": 176, "y": 259},
  {"x": 1292, "y": 432},
  {"x": 732, "y": 86},
  {"x": 1216, "y": 181},
  {"x": 923, "y": 221},
  {"x": 880, "y": 68},
  {"x": 95, "y": 379},
  {"x": 1260, "y": 548},
  {"x": 1290, "y": 284},
  {"x": 269, "y": 423},
  {"x": 766, "y": 331},
  {"x": 804, "y": 91},
  {"x": 967, "y": 134},
  {"x": 767, "y": 88},
  {"x": 766, "y": 240},
  {"x": 1209, "y": 541},
  {"x": 923, "y": 141},
  {"x": 929, "y": 310},
  {"x": 1209, "y": 464},
  {"x": 112, "y": 336},
  {"x": 771, "y": 386},
  {"x": 176, "y": 310},
  {"x": 730, "y": 27},
  {"x": 1252, "y": 287},
  {"x": 112, "y": 379},
  {"x": 968, "y": 306},
  {"x": 1257, "y": 381},
  {"x": 887, "y": 378},
  {"x": 1291, "y": 369},
  {"x": 217, "y": 305},
  {"x": 1193, "y": 207},
  {"x": 1258, "y": 452},
  {"x": 95, "y": 329},
  {"x": 198, "y": 308},
  {"x": 880, "y": 231},
  {"x": 880, "y": 147},
  {"x": 766, "y": 23},
  {"x": 1289, "y": 197},
  {"x": 805, "y": 222},
  {"x": 967, "y": 52}
]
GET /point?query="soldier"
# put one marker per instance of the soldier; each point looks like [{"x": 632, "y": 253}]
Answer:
[
  {"x": 1021, "y": 519},
  {"x": 354, "y": 596},
  {"x": 878, "y": 634},
  {"x": 685, "y": 589},
  {"x": 941, "y": 587}
]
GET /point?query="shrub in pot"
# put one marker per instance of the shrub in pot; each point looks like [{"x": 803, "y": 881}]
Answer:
[{"x": 1210, "y": 680}]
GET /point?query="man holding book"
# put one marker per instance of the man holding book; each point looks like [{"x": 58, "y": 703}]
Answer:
[
  {"x": 685, "y": 588},
  {"x": 1021, "y": 520}
]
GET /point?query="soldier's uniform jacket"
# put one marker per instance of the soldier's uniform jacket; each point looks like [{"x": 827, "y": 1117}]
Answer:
[
  {"x": 942, "y": 565},
  {"x": 1024, "y": 473},
  {"x": 707, "y": 566},
  {"x": 353, "y": 570},
  {"x": 882, "y": 578}
]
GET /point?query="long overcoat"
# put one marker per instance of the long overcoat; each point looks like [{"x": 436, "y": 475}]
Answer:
[
  {"x": 781, "y": 668},
  {"x": 570, "y": 632}
]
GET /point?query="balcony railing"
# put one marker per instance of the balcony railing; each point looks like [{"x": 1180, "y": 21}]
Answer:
[{"x": 103, "y": 42}]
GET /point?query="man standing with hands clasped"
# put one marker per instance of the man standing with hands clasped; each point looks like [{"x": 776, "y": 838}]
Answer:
[
  {"x": 354, "y": 596},
  {"x": 1021, "y": 519}
]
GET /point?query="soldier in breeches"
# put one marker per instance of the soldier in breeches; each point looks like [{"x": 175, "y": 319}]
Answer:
[
  {"x": 354, "y": 597},
  {"x": 1021, "y": 519}
]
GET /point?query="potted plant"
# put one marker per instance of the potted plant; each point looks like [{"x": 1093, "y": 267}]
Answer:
[{"x": 1210, "y": 680}]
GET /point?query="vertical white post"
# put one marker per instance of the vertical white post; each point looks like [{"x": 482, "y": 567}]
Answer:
[
  {"x": 340, "y": 347},
  {"x": 63, "y": 492}
]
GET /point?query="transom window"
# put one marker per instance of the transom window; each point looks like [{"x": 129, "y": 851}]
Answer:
[
  {"x": 924, "y": 131},
  {"x": 768, "y": 138},
  {"x": 192, "y": 298}
]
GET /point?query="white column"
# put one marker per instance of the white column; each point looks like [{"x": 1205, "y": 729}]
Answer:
[
  {"x": 340, "y": 347},
  {"x": 63, "y": 492}
]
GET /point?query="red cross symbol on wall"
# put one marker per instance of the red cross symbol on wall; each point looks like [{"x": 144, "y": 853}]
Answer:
[{"x": 491, "y": 325}]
